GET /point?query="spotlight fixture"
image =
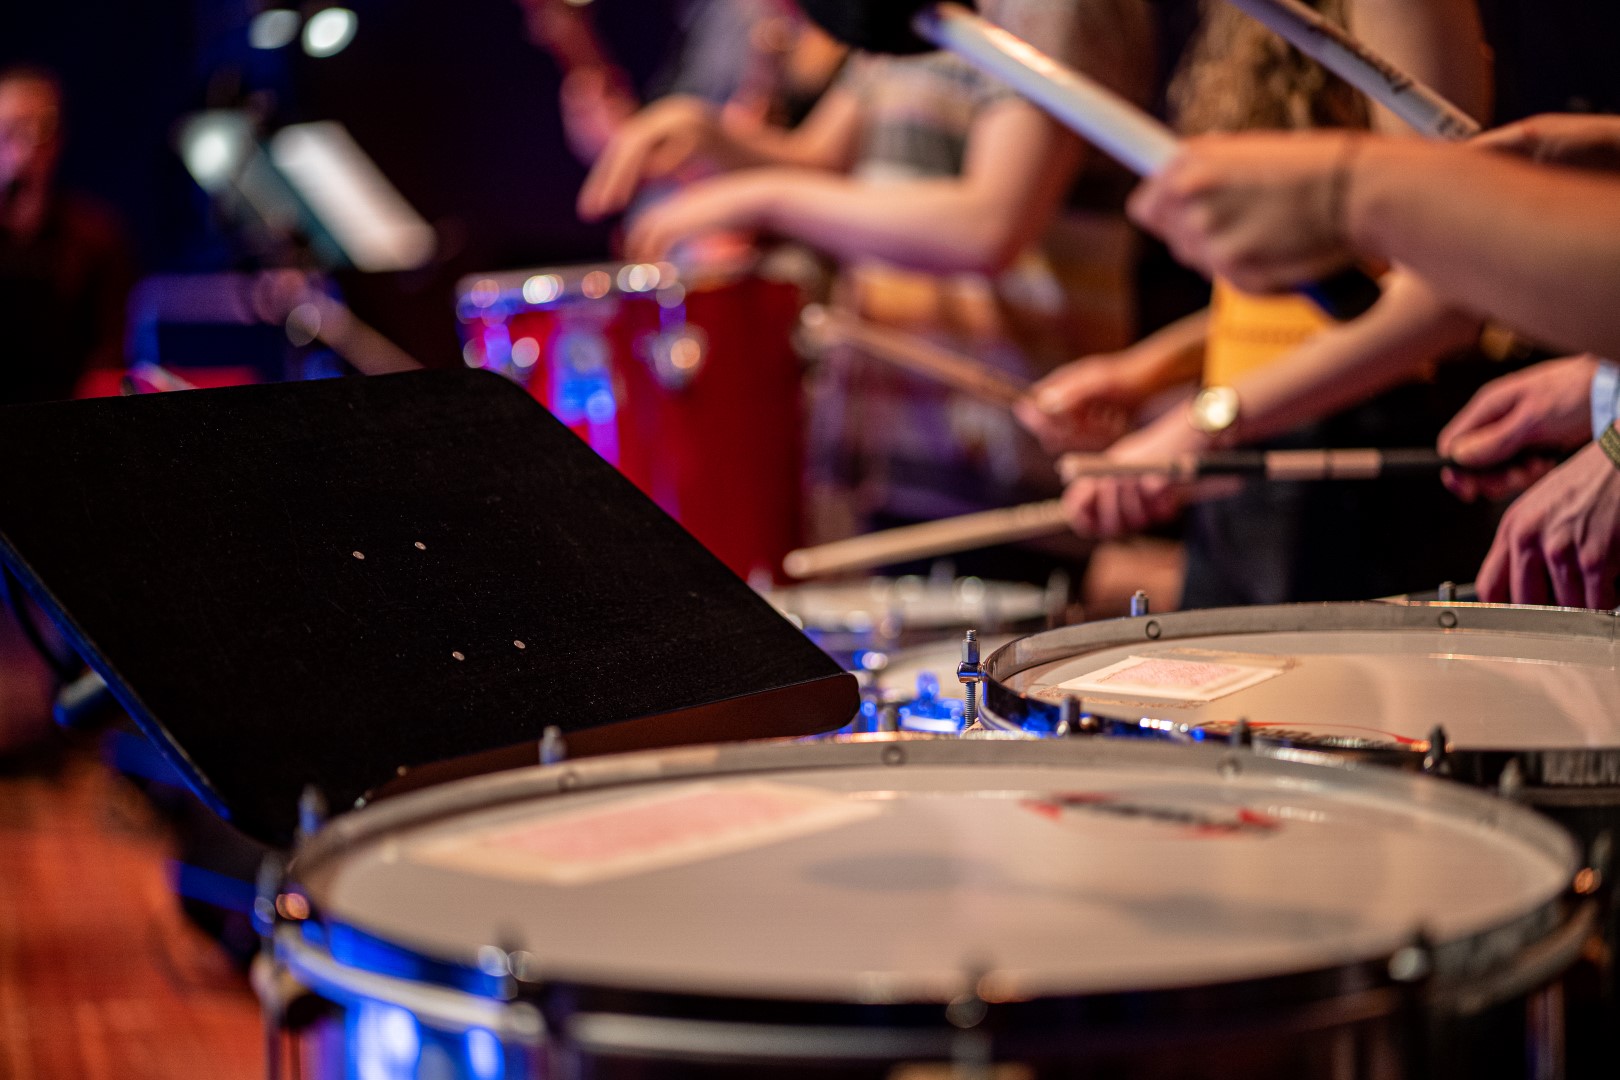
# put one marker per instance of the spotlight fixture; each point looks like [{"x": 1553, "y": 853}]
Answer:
[{"x": 329, "y": 31}]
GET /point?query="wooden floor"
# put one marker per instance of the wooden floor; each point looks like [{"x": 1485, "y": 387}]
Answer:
[{"x": 101, "y": 978}]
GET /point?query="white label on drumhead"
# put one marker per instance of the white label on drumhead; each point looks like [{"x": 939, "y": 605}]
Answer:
[
  {"x": 1171, "y": 678},
  {"x": 635, "y": 835}
]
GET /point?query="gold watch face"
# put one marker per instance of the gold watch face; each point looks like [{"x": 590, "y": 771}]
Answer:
[{"x": 1214, "y": 409}]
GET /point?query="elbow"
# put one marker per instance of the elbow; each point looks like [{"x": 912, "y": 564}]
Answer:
[{"x": 992, "y": 250}]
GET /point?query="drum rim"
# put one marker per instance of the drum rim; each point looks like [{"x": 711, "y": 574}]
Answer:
[
  {"x": 1456, "y": 962},
  {"x": 1571, "y": 767}
]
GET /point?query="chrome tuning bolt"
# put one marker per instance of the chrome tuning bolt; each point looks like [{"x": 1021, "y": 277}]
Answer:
[
  {"x": 1447, "y": 593},
  {"x": 552, "y": 747},
  {"x": 1434, "y": 760},
  {"x": 1139, "y": 603},
  {"x": 1068, "y": 715},
  {"x": 971, "y": 674}
]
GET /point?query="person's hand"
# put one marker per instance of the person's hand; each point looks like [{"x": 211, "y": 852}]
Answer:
[
  {"x": 1578, "y": 140},
  {"x": 1547, "y": 406},
  {"x": 1265, "y": 211},
  {"x": 661, "y": 140},
  {"x": 737, "y": 202},
  {"x": 1108, "y": 506},
  {"x": 1560, "y": 542},
  {"x": 1086, "y": 404}
]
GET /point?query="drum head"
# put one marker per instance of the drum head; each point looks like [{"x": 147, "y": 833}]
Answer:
[
  {"x": 1496, "y": 678},
  {"x": 874, "y": 871}
]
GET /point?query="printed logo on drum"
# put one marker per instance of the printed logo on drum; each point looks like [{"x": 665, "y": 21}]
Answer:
[{"x": 1241, "y": 822}]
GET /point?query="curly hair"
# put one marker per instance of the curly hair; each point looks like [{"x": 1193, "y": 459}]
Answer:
[{"x": 1239, "y": 76}]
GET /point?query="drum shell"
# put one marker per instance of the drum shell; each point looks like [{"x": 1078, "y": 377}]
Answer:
[
  {"x": 1354, "y": 1020},
  {"x": 704, "y": 413}
]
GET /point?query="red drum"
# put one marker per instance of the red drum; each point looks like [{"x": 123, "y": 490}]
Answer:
[{"x": 687, "y": 382}]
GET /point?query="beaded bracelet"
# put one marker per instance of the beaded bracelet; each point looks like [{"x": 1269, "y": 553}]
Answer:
[{"x": 1610, "y": 441}]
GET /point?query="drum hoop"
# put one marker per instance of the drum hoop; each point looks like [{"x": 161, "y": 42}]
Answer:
[
  {"x": 570, "y": 279},
  {"x": 1459, "y": 959},
  {"x": 1571, "y": 767}
]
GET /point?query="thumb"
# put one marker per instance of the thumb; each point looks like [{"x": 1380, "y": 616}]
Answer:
[{"x": 1492, "y": 443}]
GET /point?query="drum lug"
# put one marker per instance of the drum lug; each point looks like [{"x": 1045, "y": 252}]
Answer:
[
  {"x": 1139, "y": 603},
  {"x": 1510, "y": 785},
  {"x": 1447, "y": 592},
  {"x": 1242, "y": 734},
  {"x": 1068, "y": 716},
  {"x": 1414, "y": 962},
  {"x": 1434, "y": 759},
  {"x": 971, "y": 674},
  {"x": 1591, "y": 878},
  {"x": 553, "y": 748}
]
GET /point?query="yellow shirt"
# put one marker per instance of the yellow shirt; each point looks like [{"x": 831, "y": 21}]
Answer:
[{"x": 1249, "y": 332}]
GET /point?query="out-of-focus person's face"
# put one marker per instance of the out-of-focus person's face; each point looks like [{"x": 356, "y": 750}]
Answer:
[{"x": 30, "y": 131}]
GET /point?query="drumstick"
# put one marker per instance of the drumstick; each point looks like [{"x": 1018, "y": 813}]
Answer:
[
  {"x": 915, "y": 354},
  {"x": 1419, "y": 105},
  {"x": 1360, "y": 464},
  {"x": 1112, "y": 124},
  {"x": 931, "y": 538}
]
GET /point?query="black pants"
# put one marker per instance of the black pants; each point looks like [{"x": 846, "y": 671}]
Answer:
[{"x": 1277, "y": 543}]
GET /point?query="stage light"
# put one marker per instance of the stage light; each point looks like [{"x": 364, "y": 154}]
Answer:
[
  {"x": 214, "y": 146},
  {"x": 273, "y": 28},
  {"x": 329, "y": 31}
]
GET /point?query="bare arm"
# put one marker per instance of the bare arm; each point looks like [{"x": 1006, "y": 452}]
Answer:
[
  {"x": 1533, "y": 246},
  {"x": 1407, "y": 330},
  {"x": 684, "y": 134},
  {"x": 1439, "y": 42},
  {"x": 1017, "y": 166}
]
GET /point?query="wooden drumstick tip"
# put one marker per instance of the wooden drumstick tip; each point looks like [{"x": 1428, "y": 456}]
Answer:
[{"x": 798, "y": 565}]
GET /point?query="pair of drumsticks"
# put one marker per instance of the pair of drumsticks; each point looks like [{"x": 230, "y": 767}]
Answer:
[{"x": 1143, "y": 144}]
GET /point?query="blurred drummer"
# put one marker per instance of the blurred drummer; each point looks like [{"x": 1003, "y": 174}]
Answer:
[
  {"x": 1280, "y": 357},
  {"x": 938, "y": 191},
  {"x": 1533, "y": 244}
]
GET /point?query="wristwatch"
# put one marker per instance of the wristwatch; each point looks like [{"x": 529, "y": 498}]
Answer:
[{"x": 1214, "y": 411}]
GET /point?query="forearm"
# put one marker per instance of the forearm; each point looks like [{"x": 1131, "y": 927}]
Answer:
[
  {"x": 933, "y": 225},
  {"x": 1170, "y": 355},
  {"x": 1534, "y": 247},
  {"x": 1407, "y": 330}
]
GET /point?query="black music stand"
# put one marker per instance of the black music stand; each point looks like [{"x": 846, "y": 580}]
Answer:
[{"x": 338, "y": 582}]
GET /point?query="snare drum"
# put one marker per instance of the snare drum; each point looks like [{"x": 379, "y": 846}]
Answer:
[
  {"x": 1527, "y": 692},
  {"x": 930, "y": 908},
  {"x": 686, "y": 381},
  {"x": 1522, "y": 699}
]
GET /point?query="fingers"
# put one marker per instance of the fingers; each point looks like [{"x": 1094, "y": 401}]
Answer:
[
  {"x": 1562, "y": 563},
  {"x": 1600, "y": 590},
  {"x": 1492, "y": 581},
  {"x": 1109, "y": 507},
  {"x": 1527, "y": 573},
  {"x": 1464, "y": 485},
  {"x": 1489, "y": 404},
  {"x": 613, "y": 180},
  {"x": 1515, "y": 138},
  {"x": 654, "y": 234}
]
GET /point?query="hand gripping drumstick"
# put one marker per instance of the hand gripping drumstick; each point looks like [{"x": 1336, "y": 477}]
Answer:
[
  {"x": 915, "y": 354},
  {"x": 1031, "y": 520},
  {"x": 1105, "y": 119},
  {"x": 1419, "y": 105}
]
